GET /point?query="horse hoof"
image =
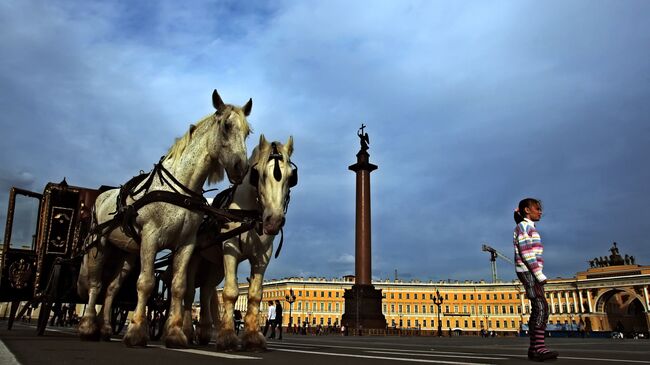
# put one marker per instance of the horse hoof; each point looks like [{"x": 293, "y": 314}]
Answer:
[
  {"x": 136, "y": 336},
  {"x": 88, "y": 329},
  {"x": 254, "y": 341},
  {"x": 175, "y": 338},
  {"x": 227, "y": 340},
  {"x": 106, "y": 333}
]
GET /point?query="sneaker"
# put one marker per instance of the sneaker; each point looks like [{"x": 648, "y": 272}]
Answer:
[{"x": 542, "y": 356}]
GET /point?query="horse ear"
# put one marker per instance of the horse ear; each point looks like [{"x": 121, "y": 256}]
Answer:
[
  {"x": 248, "y": 107},
  {"x": 289, "y": 146},
  {"x": 263, "y": 141},
  {"x": 216, "y": 101}
]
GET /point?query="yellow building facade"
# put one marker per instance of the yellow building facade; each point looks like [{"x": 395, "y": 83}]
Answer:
[{"x": 598, "y": 299}]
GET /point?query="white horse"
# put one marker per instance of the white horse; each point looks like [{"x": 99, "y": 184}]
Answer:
[
  {"x": 216, "y": 143},
  {"x": 266, "y": 189}
]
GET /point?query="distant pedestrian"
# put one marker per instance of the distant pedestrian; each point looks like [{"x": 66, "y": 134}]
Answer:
[
  {"x": 278, "y": 318},
  {"x": 271, "y": 318},
  {"x": 529, "y": 265}
]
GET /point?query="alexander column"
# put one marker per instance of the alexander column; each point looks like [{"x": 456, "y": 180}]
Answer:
[{"x": 363, "y": 302}]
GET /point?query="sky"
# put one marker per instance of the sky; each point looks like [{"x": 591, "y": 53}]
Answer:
[{"x": 470, "y": 107}]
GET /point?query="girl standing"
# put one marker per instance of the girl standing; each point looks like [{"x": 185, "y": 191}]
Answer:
[{"x": 529, "y": 265}]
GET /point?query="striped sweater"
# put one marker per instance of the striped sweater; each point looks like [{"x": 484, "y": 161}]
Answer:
[{"x": 528, "y": 249}]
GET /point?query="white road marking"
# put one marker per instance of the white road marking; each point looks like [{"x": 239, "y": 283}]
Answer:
[
  {"x": 209, "y": 353},
  {"x": 437, "y": 354},
  {"x": 379, "y": 357},
  {"x": 6, "y": 356}
]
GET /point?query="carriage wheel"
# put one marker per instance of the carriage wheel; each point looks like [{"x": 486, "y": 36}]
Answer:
[
  {"x": 158, "y": 306},
  {"x": 118, "y": 319}
]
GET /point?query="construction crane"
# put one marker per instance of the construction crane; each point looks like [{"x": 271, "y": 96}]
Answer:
[{"x": 493, "y": 260}]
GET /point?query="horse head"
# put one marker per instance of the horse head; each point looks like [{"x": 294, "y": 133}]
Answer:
[
  {"x": 273, "y": 174},
  {"x": 228, "y": 147}
]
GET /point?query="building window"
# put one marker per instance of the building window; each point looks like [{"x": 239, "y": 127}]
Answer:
[
  {"x": 424, "y": 323},
  {"x": 329, "y": 294},
  {"x": 407, "y": 296},
  {"x": 299, "y": 305},
  {"x": 455, "y": 296},
  {"x": 306, "y": 293},
  {"x": 400, "y": 308},
  {"x": 337, "y": 294},
  {"x": 415, "y": 296},
  {"x": 322, "y": 307},
  {"x": 408, "y": 308},
  {"x": 337, "y": 307},
  {"x": 480, "y": 309},
  {"x": 457, "y": 325},
  {"x": 503, "y": 309},
  {"x": 503, "y": 296},
  {"x": 455, "y": 309},
  {"x": 479, "y": 296},
  {"x": 473, "y": 323},
  {"x": 315, "y": 295},
  {"x": 329, "y": 307},
  {"x": 471, "y": 297},
  {"x": 512, "y": 324},
  {"x": 392, "y": 295},
  {"x": 466, "y": 324},
  {"x": 392, "y": 308},
  {"x": 432, "y": 310},
  {"x": 505, "y": 324},
  {"x": 498, "y": 324},
  {"x": 322, "y": 294},
  {"x": 399, "y": 295},
  {"x": 464, "y": 296},
  {"x": 446, "y": 309},
  {"x": 424, "y": 308},
  {"x": 384, "y": 308},
  {"x": 448, "y": 323},
  {"x": 446, "y": 296},
  {"x": 510, "y": 296},
  {"x": 417, "y": 323},
  {"x": 300, "y": 293},
  {"x": 408, "y": 323},
  {"x": 512, "y": 309}
]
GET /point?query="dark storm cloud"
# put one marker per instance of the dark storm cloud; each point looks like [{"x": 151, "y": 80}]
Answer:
[{"x": 470, "y": 107}]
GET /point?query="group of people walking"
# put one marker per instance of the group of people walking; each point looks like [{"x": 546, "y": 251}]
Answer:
[{"x": 274, "y": 319}]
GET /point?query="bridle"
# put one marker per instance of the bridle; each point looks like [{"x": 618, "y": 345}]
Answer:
[
  {"x": 254, "y": 178},
  {"x": 276, "y": 156}
]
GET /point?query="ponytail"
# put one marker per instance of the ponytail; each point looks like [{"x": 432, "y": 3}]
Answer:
[{"x": 520, "y": 214}]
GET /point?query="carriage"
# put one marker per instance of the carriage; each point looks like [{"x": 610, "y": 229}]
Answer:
[{"x": 43, "y": 247}]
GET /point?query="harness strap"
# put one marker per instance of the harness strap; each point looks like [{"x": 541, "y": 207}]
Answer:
[{"x": 277, "y": 252}]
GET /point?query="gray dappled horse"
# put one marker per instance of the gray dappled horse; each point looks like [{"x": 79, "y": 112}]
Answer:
[
  {"x": 265, "y": 189},
  {"x": 215, "y": 144}
]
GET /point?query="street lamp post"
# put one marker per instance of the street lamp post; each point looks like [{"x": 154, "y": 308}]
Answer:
[
  {"x": 290, "y": 299},
  {"x": 437, "y": 300}
]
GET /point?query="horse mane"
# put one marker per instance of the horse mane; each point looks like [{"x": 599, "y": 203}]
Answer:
[{"x": 180, "y": 144}]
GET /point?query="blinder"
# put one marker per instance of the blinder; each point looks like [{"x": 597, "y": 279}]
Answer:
[
  {"x": 277, "y": 174},
  {"x": 254, "y": 176}
]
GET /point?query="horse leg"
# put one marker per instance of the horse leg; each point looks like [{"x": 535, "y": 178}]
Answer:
[
  {"x": 94, "y": 264},
  {"x": 205, "y": 320},
  {"x": 138, "y": 331},
  {"x": 112, "y": 290},
  {"x": 190, "y": 291},
  {"x": 253, "y": 339},
  {"x": 227, "y": 339},
  {"x": 174, "y": 328}
]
